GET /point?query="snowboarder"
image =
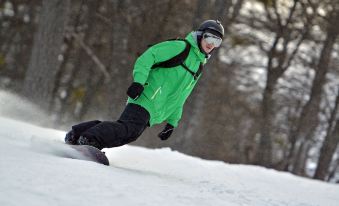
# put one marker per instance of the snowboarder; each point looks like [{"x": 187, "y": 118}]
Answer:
[{"x": 164, "y": 76}]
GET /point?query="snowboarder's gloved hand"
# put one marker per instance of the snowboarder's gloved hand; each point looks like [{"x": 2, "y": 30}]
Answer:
[
  {"x": 135, "y": 90},
  {"x": 166, "y": 133}
]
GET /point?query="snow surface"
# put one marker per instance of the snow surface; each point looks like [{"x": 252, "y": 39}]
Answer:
[{"x": 30, "y": 174}]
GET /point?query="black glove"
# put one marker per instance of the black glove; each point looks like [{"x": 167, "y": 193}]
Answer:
[
  {"x": 166, "y": 133},
  {"x": 135, "y": 90}
]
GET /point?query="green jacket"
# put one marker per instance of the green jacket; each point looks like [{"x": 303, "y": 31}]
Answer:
[{"x": 166, "y": 89}]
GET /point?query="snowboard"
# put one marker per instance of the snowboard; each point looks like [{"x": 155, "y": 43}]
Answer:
[
  {"x": 61, "y": 149},
  {"x": 89, "y": 153}
]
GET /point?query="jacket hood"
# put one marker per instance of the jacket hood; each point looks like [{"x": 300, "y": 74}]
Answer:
[{"x": 192, "y": 39}]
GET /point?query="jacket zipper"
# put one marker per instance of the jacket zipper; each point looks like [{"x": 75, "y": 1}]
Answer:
[{"x": 156, "y": 92}]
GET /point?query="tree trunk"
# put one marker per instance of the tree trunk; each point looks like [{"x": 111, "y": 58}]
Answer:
[
  {"x": 301, "y": 158},
  {"x": 330, "y": 143},
  {"x": 44, "y": 63},
  {"x": 334, "y": 171},
  {"x": 326, "y": 153},
  {"x": 119, "y": 65},
  {"x": 264, "y": 154},
  {"x": 199, "y": 13}
]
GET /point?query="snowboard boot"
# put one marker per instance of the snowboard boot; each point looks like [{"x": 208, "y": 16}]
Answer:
[
  {"x": 83, "y": 140},
  {"x": 71, "y": 138},
  {"x": 73, "y": 135}
]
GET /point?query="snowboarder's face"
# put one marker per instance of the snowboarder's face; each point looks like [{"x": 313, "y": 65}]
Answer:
[
  {"x": 206, "y": 47},
  {"x": 209, "y": 42}
]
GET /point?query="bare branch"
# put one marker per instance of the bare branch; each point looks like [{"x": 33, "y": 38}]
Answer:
[{"x": 91, "y": 54}]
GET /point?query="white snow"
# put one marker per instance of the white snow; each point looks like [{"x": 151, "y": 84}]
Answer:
[
  {"x": 32, "y": 174},
  {"x": 138, "y": 176}
]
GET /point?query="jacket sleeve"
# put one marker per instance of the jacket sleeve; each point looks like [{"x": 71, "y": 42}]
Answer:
[
  {"x": 155, "y": 54},
  {"x": 175, "y": 117}
]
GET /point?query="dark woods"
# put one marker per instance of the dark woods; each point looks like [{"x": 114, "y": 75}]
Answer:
[{"x": 268, "y": 96}]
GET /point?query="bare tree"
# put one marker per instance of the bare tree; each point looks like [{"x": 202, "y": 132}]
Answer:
[
  {"x": 278, "y": 61},
  {"x": 308, "y": 119},
  {"x": 45, "y": 60}
]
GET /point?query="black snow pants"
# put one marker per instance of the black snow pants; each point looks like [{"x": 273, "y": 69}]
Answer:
[{"x": 132, "y": 122}]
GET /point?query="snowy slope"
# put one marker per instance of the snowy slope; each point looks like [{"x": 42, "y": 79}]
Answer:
[{"x": 32, "y": 175}]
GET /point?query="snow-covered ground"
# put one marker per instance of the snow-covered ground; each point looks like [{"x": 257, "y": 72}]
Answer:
[{"x": 32, "y": 175}]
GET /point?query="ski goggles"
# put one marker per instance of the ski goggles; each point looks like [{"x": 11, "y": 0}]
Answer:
[{"x": 212, "y": 39}]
